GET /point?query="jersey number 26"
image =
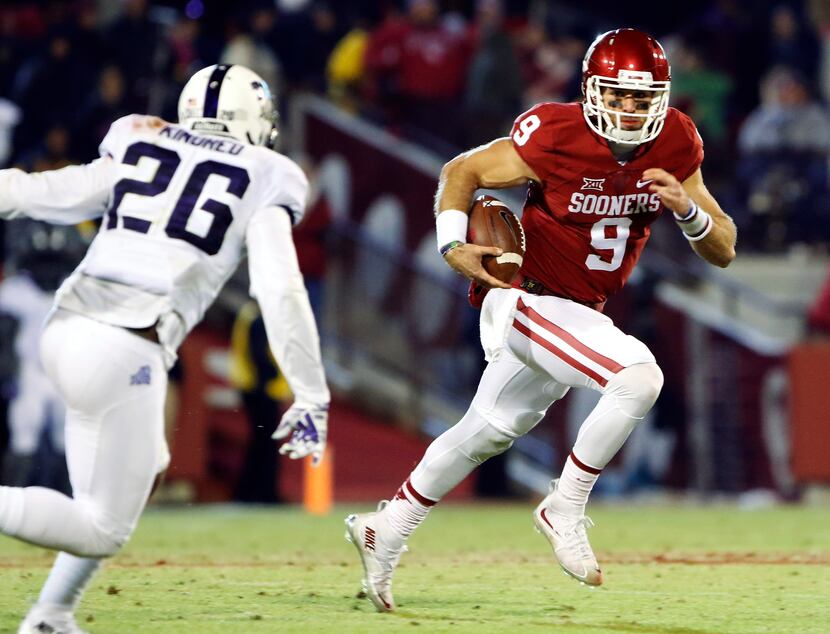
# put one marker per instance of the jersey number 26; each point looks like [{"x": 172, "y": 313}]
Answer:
[{"x": 211, "y": 242}]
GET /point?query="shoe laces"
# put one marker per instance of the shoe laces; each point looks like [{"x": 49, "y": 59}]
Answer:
[
  {"x": 576, "y": 537},
  {"x": 382, "y": 579},
  {"x": 387, "y": 558}
]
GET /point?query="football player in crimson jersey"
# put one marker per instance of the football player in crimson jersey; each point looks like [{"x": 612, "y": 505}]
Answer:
[{"x": 599, "y": 173}]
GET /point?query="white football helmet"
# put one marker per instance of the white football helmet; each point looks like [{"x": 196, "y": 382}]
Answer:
[{"x": 229, "y": 100}]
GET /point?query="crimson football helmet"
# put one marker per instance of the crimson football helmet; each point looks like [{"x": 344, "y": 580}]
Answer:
[{"x": 631, "y": 60}]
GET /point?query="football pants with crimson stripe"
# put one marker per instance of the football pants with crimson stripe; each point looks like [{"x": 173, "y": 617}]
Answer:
[{"x": 557, "y": 345}]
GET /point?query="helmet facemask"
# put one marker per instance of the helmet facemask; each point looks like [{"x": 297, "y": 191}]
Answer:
[
  {"x": 268, "y": 117},
  {"x": 607, "y": 122}
]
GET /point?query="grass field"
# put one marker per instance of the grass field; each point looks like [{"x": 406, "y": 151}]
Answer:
[{"x": 676, "y": 570}]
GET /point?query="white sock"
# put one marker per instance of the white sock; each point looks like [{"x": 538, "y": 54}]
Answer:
[
  {"x": 66, "y": 582},
  {"x": 576, "y": 482},
  {"x": 407, "y": 510}
]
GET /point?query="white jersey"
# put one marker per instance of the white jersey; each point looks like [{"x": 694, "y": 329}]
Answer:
[
  {"x": 175, "y": 227},
  {"x": 178, "y": 210}
]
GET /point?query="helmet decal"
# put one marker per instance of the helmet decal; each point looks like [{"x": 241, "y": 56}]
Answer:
[
  {"x": 214, "y": 85},
  {"x": 261, "y": 88}
]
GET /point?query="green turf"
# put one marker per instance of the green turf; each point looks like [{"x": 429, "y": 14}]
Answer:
[{"x": 678, "y": 570}]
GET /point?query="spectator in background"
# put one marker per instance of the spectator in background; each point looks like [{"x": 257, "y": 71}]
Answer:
[
  {"x": 8, "y": 372},
  {"x": 494, "y": 84},
  {"x": 86, "y": 33},
  {"x": 133, "y": 41},
  {"x": 51, "y": 154},
  {"x": 9, "y": 118},
  {"x": 550, "y": 67},
  {"x": 345, "y": 68},
  {"x": 264, "y": 390},
  {"x": 788, "y": 119},
  {"x": 49, "y": 88},
  {"x": 11, "y": 54},
  {"x": 249, "y": 47},
  {"x": 103, "y": 107},
  {"x": 41, "y": 256},
  {"x": 183, "y": 43},
  {"x": 310, "y": 241},
  {"x": 426, "y": 64},
  {"x": 381, "y": 58},
  {"x": 792, "y": 42},
  {"x": 819, "y": 12},
  {"x": 733, "y": 44},
  {"x": 303, "y": 41},
  {"x": 784, "y": 146},
  {"x": 701, "y": 92},
  {"x": 186, "y": 51}
]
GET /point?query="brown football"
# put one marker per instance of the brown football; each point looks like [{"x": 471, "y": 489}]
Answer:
[{"x": 492, "y": 224}]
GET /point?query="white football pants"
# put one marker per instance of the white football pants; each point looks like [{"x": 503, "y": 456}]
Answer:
[
  {"x": 549, "y": 345},
  {"x": 113, "y": 384}
]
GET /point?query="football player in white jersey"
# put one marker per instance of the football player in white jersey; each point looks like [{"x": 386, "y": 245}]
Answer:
[{"x": 180, "y": 204}]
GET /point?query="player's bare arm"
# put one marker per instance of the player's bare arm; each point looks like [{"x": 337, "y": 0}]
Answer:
[
  {"x": 717, "y": 245},
  {"x": 493, "y": 166}
]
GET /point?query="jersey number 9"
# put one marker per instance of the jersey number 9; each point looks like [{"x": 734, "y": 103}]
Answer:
[{"x": 526, "y": 127}]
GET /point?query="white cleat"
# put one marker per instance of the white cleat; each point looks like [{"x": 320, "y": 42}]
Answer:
[
  {"x": 365, "y": 531},
  {"x": 568, "y": 537},
  {"x": 45, "y": 621}
]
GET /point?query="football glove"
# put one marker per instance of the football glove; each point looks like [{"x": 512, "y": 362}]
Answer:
[{"x": 308, "y": 427}]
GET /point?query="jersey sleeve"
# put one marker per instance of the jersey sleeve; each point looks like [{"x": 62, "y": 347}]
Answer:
[
  {"x": 533, "y": 137},
  {"x": 116, "y": 136},
  {"x": 66, "y": 196},
  {"x": 288, "y": 188},
  {"x": 693, "y": 156},
  {"x": 277, "y": 284}
]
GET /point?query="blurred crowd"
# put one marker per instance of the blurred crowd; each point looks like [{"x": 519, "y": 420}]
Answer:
[{"x": 448, "y": 73}]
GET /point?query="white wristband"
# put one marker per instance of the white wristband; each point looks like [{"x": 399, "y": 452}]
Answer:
[
  {"x": 451, "y": 226},
  {"x": 696, "y": 224},
  {"x": 709, "y": 224}
]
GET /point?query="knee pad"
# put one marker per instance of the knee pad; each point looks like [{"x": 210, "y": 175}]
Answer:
[
  {"x": 636, "y": 388},
  {"x": 109, "y": 540},
  {"x": 107, "y": 535},
  {"x": 489, "y": 441}
]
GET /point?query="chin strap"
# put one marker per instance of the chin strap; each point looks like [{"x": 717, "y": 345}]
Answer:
[{"x": 630, "y": 137}]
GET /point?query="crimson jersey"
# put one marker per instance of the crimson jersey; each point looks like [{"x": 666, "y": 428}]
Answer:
[{"x": 587, "y": 220}]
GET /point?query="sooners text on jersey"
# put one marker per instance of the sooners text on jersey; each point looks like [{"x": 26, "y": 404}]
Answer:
[{"x": 588, "y": 218}]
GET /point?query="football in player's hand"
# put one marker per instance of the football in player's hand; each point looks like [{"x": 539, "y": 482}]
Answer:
[{"x": 492, "y": 224}]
